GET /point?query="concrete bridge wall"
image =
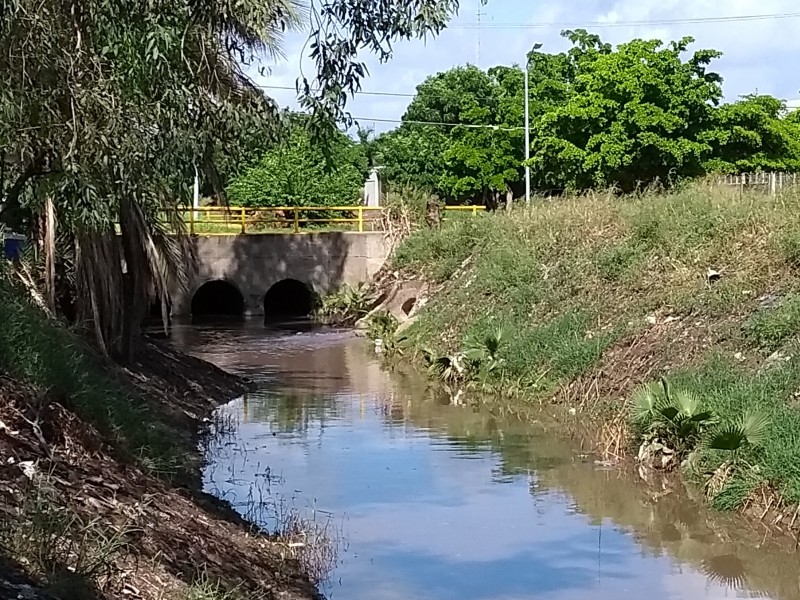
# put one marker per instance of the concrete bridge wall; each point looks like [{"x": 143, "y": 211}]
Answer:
[{"x": 253, "y": 263}]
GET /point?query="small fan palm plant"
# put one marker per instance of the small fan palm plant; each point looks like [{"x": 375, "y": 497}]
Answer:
[
  {"x": 748, "y": 430},
  {"x": 449, "y": 369},
  {"x": 483, "y": 353},
  {"x": 678, "y": 418},
  {"x": 732, "y": 437}
]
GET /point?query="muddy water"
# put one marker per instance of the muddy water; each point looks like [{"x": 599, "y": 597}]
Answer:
[{"x": 443, "y": 502}]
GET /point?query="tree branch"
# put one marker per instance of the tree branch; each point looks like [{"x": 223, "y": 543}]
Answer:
[{"x": 34, "y": 169}]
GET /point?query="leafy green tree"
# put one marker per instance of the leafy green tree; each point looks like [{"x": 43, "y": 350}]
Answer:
[
  {"x": 298, "y": 173},
  {"x": 486, "y": 159},
  {"x": 632, "y": 115},
  {"x": 413, "y": 156},
  {"x": 107, "y": 107},
  {"x": 475, "y": 157},
  {"x": 753, "y": 134}
]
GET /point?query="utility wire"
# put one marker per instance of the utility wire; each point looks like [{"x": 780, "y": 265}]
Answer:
[
  {"x": 368, "y": 93},
  {"x": 440, "y": 124},
  {"x": 398, "y": 94},
  {"x": 682, "y": 21},
  {"x": 360, "y": 93}
]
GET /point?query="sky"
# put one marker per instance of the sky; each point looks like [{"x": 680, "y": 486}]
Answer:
[{"x": 759, "y": 55}]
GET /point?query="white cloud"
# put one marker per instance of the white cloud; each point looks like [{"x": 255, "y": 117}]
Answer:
[{"x": 758, "y": 55}]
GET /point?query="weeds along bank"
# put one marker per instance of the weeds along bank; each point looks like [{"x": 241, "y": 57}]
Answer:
[
  {"x": 99, "y": 475},
  {"x": 589, "y": 302}
]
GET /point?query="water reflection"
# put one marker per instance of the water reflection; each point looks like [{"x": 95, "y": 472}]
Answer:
[{"x": 448, "y": 502}]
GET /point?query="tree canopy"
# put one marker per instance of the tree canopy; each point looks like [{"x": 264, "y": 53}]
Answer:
[
  {"x": 624, "y": 116},
  {"x": 299, "y": 173},
  {"x": 108, "y": 106}
]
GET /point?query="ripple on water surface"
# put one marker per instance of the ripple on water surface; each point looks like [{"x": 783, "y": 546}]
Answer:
[{"x": 446, "y": 502}]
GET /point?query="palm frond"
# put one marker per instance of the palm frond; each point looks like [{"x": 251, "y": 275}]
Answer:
[
  {"x": 749, "y": 429},
  {"x": 756, "y": 425},
  {"x": 729, "y": 437},
  {"x": 644, "y": 402},
  {"x": 493, "y": 341},
  {"x": 687, "y": 403}
]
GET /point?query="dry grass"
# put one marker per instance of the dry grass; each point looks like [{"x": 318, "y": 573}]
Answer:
[{"x": 601, "y": 294}]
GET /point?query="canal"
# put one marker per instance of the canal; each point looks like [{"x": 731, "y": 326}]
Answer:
[{"x": 430, "y": 500}]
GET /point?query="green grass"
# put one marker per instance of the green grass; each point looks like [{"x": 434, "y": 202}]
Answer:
[
  {"x": 730, "y": 390},
  {"x": 439, "y": 252},
  {"x": 772, "y": 327},
  {"x": 43, "y": 353},
  {"x": 574, "y": 277}
]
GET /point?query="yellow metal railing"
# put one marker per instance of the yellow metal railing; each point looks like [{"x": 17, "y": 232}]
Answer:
[
  {"x": 237, "y": 220},
  {"x": 473, "y": 208}
]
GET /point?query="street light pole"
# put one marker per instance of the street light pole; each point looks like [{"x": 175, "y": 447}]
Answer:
[{"x": 527, "y": 143}]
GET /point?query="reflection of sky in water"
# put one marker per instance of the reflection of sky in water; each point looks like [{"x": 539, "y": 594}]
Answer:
[{"x": 427, "y": 519}]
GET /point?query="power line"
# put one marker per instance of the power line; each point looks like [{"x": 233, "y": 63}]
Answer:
[
  {"x": 440, "y": 124},
  {"x": 399, "y": 94},
  {"x": 574, "y": 25},
  {"x": 360, "y": 93},
  {"x": 368, "y": 93}
]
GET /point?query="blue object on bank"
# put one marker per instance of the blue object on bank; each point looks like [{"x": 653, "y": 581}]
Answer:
[{"x": 14, "y": 244}]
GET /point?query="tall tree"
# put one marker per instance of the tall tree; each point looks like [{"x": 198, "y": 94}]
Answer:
[
  {"x": 107, "y": 106},
  {"x": 632, "y": 115},
  {"x": 753, "y": 134},
  {"x": 458, "y": 138},
  {"x": 298, "y": 173}
]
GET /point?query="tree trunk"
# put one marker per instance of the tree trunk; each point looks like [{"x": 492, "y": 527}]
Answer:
[
  {"x": 134, "y": 282},
  {"x": 10, "y": 206},
  {"x": 509, "y": 197},
  {"x": 50, "y": 254},
  {"x": 99, "y": 287}
]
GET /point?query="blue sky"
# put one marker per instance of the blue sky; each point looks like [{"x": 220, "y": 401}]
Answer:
[{"x": 759, "y": 55}]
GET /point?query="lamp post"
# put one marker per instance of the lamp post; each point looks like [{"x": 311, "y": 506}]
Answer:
[
  {"x": 527, "y": 143},
  {"x": 536, "y": 48}
]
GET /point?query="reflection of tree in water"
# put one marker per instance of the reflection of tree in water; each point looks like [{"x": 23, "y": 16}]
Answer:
[
  {"x": 663, "y": 518},
  {"x": 292, "y": 412}
]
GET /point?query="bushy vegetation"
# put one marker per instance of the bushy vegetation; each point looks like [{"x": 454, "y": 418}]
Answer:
[
  {"x": 599, "y": 294},
  {"x": 300, "y": 173},
  {"x": 345, "y": 306},
  {"x": 42, "y": 353},
  {"x": 628, "y": 116}
]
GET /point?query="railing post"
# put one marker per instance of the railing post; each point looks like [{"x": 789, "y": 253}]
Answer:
[
  {"x": 360, "y": 218},
  {"x": 244, "y": 221},
  {"x": 474, "y": 211},
  {"x": 296, "y": 219},
  {"x": 191, "y": 222}
]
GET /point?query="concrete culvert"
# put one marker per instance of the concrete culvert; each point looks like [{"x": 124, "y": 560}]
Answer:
[
  {"x": 288, "y": 298},
  {"x": 217, "y": 299}
]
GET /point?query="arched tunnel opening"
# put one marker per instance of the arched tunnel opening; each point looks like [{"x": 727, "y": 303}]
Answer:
[
  {"x": 217, "y": 299},
  {"x": 288, "y": 298},
  {"x": 408, "y": 306}
]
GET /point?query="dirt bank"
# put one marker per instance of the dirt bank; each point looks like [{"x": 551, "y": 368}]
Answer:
[
  {"x": 584, "y": 301},
  {"x": 84, "y": 517}
]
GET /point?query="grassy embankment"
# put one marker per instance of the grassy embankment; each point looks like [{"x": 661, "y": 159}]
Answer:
[
  {"x": 100, "y": 474},
  {"x": 598, "y": 295}
]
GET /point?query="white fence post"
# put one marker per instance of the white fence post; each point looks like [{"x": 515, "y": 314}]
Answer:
[{"x": 768, "y": 182}]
